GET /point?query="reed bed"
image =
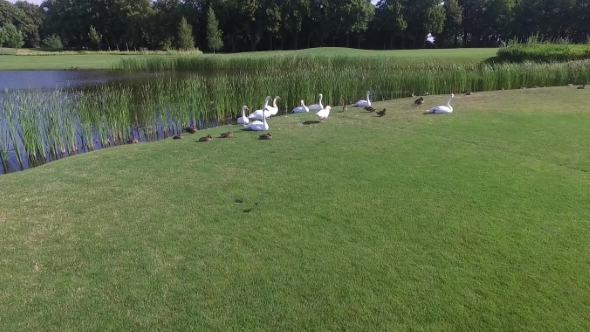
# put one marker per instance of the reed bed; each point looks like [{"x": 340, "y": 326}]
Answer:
[
  {"x": 37, "y": 127},
  {"x": 280, "y": 63}
]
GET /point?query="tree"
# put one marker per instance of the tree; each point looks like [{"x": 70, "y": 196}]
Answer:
[
  {"x": 95, "y": 37},
  {"x": 451, "y": 33},
  {"x": 355, "y": 16},
  {"x": 424, "y": 17},
  {"x": 2, "y": 38},
  {"x": 214, "y": 39},
  {"x": 12, "y": 37},
  {"x": 390, "y": 19},
  {"x": 185, "y": 35},
  {"x": 32, "y": 22}
]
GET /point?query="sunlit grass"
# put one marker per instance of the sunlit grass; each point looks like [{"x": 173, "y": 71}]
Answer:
[
  {"x": 42, "y": 60},
  {"x": 472, "y": 221}
]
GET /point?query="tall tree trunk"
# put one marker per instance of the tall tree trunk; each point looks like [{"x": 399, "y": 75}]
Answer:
[
  {"x": 347, "y": 39},
  {"x": 464, "y": 38}
]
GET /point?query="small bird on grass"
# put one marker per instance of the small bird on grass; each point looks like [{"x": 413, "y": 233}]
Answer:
[
  {"x": 191, "y": 129},
  {"x": 582, "y": 87},
  {"x": 419, "y": 101},
  {"x": 265, "y": 136},
  {"x": 229, "y": 134},
  {"x": 205, "y": 138},
  {"x": 469, "y": 93},
  {"x": 382, "y": 113},
  {"x": 369, "y": 109}
]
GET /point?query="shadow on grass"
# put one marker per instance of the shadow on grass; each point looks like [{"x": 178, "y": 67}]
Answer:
[
  {"x": 307, "y": 123},
  {"x": 495, "y": 60}
]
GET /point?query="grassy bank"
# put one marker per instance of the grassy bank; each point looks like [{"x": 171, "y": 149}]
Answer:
[
  {"x": 472, "y": 221},
  {"x": 106, "y": 60}
]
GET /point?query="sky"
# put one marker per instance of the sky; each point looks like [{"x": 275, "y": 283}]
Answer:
[{"x": 38, "y": 2}]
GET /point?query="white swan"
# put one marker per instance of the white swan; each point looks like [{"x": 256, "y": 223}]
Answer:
[
  {"x": 257, "y": 115},
  {"x": 300, "y": 109},
  {"x": 443, "y": 109},
  {"x": 244, "y": 119},
  {"x": 323, "y": 114},
  {"x": 318, "y": 106},
  {"x": 257, "y": 125},
  {"x": 363, "y": 103},
  {"x": 274, "y": 109}
]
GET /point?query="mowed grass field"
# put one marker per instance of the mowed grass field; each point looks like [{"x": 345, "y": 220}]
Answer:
[
  {"x": 104, "y": 60},
  {"x": 473, "y": 221}
]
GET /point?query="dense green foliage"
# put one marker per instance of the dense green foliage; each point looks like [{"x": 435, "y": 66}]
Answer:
[
  {"x": 11, "y": 37},
  {"x": 544, "y": 51},
  {"x": 294, "y": 24},
  {"x": 476, "y": 221},
  {"x": 53, "y": 42},
  {"x": 95, "y": 38},
  {"x": 186, "y": 41}
]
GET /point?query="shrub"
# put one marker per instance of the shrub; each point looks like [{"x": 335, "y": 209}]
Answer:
[{"x": 53, "y": 41}]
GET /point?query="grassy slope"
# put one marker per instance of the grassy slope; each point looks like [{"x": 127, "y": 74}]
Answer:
[
  {"x": 477, "y": 220},
  {"x": 106, "y": 61}
]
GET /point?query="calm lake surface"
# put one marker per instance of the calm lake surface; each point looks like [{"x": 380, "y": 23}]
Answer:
[{"x": 53, "y": 79}]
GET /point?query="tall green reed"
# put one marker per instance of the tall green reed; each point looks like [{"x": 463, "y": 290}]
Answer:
[{"x": 4, "y": 143}]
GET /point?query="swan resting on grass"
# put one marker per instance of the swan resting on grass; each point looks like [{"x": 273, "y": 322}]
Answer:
[
  {"x": 257, "y": 125},
  {"x": 300, "y": 109},
  {"x": 363, "y": 103},
  {"x": 274, "y": 109},
  {"x": 443, "y": 109},
  {"x": 257, "y": 115},
  {"x": 244, "y": 119},
  {"x": 318, "y": 106}
]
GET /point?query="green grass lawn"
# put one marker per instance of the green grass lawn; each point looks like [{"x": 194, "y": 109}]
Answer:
[
  {"x": 474, "y": 221},
  {"x": 106, "y": 61}
]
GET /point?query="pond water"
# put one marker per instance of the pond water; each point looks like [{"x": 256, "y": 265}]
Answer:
[{"x": 61, "y": 79}]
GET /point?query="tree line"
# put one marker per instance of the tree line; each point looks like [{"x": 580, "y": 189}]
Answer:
[{"x": 248, "y": 25}]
